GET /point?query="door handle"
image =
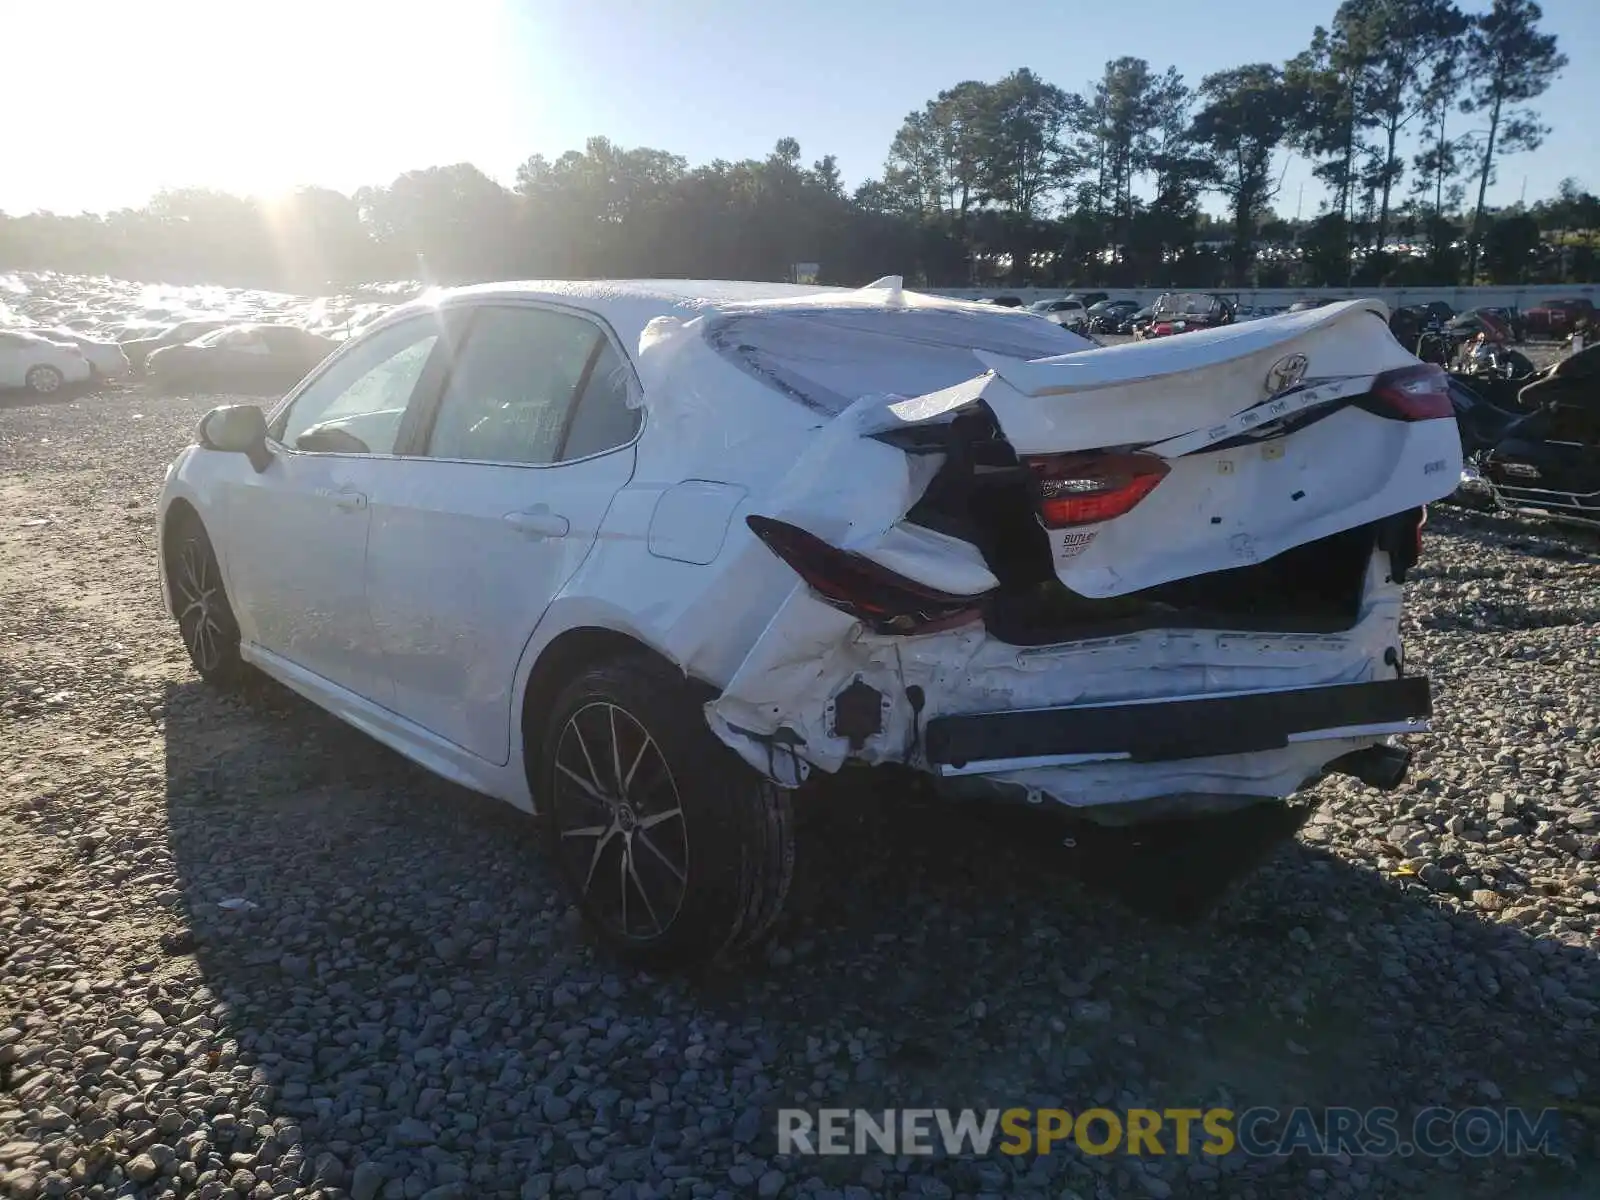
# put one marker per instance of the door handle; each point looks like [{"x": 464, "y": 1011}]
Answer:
[
  {"x": 350, "y": 501},
  {"x": 539, "y": 522}
]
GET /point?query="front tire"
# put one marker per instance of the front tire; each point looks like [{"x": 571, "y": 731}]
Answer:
[
  {"x": 205, "y": 618},
  {"x": 43, "y": 380},
  {"x": 673, "y": 849}
]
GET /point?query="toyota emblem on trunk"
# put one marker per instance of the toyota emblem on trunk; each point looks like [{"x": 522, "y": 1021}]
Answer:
[{"x": 1285, "y": 373}]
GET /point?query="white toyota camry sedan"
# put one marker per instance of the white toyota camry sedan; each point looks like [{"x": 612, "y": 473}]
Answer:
[{"x": 639, "y": 558}]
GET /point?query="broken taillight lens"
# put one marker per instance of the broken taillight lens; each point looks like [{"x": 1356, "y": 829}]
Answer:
[
  {"x": 1086, "y": 489},
  {"x": 887, "y": 602},
  {"x": 1419, "y": 393}
]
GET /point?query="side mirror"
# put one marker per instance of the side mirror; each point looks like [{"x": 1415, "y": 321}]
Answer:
[{"x": 237, "y": 429}]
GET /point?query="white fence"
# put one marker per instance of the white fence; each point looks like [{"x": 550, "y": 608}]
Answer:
[{"x": 1459, "y": 299}]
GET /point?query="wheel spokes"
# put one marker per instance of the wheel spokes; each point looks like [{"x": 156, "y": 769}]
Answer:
[
  {"x": 587, "y": 788},
  {"x": 649, "y": 890},
  {"x": 594, "y": 775},
  {"x": 204, "y": 619},
  {"x": 599, "y": 849},
  {"x": 627, "y": 782},
  {"x": 622, "y": 881},
  {"x": 202, "y": 645},
  {"x": 631, "y": 873},
  {"x": 677, "y": 872},
  {"x": 193, "y": 572},
  {"x": 616, "y": 752}
]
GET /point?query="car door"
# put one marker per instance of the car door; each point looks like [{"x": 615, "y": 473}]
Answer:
[
  {"x": 297, "y": 532},
  {"x": 516, "y": 465}
]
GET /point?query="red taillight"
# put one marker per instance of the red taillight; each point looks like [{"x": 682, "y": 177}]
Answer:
[
  {"x": 888, "y": 602},
  {"x": 1419, "y": 393},
  {"x": 1421, "y": 521},
  {"x": 1086, "y": 489}
]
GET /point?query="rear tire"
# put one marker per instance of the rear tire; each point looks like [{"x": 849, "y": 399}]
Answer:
[
  {"x": 44, "y": 381},
  {"x": 672, "y": 848},
  {"x": 205, "y": 618}
]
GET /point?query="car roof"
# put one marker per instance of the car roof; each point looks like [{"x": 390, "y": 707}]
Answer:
[{"x": 628, "y": 305}]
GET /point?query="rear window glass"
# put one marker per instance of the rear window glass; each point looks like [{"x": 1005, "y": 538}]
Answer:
[{"x": 829, "y": 358}]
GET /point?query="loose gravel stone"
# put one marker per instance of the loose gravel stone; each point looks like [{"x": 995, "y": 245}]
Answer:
[{"x": 246, "y": 952}]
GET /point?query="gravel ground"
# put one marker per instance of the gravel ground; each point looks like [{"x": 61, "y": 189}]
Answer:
[{"x": 246, "y": 951}]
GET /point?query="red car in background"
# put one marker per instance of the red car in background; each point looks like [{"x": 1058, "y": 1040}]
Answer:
[
  {"x": 1558, "y": 317},
  {"x": 1181, "y": 312}
]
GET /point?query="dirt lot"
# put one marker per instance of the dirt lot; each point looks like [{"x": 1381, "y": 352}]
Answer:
[{"x": 246, "y": 951}]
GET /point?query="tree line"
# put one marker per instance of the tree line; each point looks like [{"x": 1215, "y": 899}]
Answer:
[{"x": 1015, "y": 182}]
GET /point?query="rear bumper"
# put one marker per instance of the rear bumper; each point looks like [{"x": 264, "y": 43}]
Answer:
[
  {"x": 990, "y": 718},
  {"x": 1175, "y": 729}
]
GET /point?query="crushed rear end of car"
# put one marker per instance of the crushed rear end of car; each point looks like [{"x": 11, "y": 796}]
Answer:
[{"x": 1137, "y": 582}]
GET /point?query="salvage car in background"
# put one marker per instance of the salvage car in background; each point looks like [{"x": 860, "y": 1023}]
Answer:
[
  {"x": 1088, "y": 299},
  {"x": 1141, "y": 582},
  {"x": 1556, "y": 318},
  {"x": 105, "y": 358},
  {"x": 1069, "y": 314},
  {"x": 1107, "y": 316},
  {"x": 1548, "y": 463},
  {"x": 1482, "y": 424},
  {"x": 38, "y": 364},
  {"x": 241, "y": 358},
  {"x": 1512, "y": 319},
  {"x": 139, "y": 349},
  {"x": 1138, "y": 321},
  {"x": 1185, "y": 312}
]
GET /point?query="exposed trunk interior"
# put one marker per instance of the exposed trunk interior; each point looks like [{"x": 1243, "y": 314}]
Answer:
[
  {"x": 984, "y": 496},
  {"x": 1315, "y": 588}
]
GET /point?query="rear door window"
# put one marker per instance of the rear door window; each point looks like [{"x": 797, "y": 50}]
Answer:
[
  {"x": 605, "y": 417},
  {"x": 533, "y": 386}
]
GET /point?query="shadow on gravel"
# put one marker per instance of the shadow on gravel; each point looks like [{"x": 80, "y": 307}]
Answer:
[
  {"x": 1532, "y": 538},
  {"x": 17, "y": 398},
  {"x": 405, "y": 983}
]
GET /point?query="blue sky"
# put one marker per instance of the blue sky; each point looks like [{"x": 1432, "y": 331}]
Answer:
[{"x": 256, "y": 97}]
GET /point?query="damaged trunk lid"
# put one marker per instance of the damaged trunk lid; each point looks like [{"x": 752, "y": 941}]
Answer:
[
  {"x": 1110, "y": 471},
  {"x": 1157, "y": 462}
]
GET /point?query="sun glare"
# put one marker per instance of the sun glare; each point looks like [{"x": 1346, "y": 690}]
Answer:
[{"x": 248, "y": 97}]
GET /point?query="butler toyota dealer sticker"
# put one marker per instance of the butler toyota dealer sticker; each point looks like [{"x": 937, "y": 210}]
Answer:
[{"x": 1075, "y": 541}]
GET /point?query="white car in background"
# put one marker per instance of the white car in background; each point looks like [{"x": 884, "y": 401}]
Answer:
[
  {"x": 38, "y": 364},
  {"x": 107, "y": 358},
  {"x": 1069, "y": 314},
  {"x": 640, "y": 558}
]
